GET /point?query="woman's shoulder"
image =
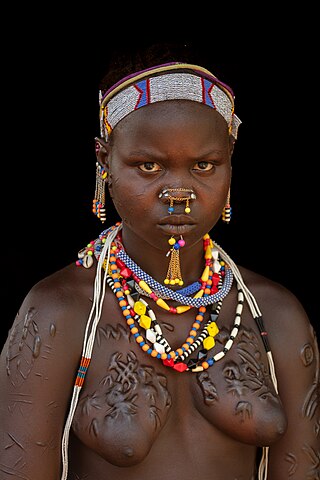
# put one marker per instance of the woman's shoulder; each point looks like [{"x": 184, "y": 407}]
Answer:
[
  {"x": 283, "y": 313},
  {"x": 62, "y": 288},
  {"x": 59, "y": 304}
]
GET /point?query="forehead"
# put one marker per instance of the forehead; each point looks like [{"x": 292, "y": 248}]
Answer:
[{"x": 175, "y": 115}]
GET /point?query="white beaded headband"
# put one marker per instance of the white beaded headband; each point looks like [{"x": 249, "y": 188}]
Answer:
[{"x": 141, "y": 89}]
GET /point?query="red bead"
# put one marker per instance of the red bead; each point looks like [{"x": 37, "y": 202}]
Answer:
[
  {"x": 168, "y": 362},
  {"x": 215, "y": 279},
  {"x": 180, "y": 367},
  {"x": 125, "y": 272},
  {"x": 120, "y": 263}
]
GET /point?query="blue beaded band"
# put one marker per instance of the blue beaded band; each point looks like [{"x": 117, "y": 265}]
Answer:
[{"x": 194, "y": 302}]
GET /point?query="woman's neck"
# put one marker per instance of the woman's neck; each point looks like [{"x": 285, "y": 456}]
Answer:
[{"x": 155, "y": 262}]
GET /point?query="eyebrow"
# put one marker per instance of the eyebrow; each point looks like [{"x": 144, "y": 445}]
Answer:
[{"x": 156, "y": 155}]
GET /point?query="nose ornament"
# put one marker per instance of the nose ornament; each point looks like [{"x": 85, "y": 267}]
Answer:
[{"x": 177, "y": 195}]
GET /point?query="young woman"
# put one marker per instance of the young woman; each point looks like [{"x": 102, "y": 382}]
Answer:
[{"x": 155, "y": 355}]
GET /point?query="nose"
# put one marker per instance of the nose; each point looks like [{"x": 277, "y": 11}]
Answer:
[{"x": 177, "y": 195}]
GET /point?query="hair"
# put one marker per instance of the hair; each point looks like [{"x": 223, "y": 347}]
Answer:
[{"x": 126, "y": 59}]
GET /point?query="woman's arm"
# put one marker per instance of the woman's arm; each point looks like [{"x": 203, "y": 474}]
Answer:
[
  {"x": 296, "y": 356},
  {"x": 38, "y": 365}
]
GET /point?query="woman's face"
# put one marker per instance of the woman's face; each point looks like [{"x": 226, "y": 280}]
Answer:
[{"x": 173, "y": 144}]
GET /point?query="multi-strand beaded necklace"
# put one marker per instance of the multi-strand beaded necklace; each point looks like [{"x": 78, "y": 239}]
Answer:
[{"x": 129, "y": 283}]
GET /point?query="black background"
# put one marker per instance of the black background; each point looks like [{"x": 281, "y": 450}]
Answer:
[{"x": 51, "y": 69}]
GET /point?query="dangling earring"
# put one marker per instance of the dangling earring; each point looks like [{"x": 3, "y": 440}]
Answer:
[
  {"x": 226, "y": 212},
  {"x": 98, "y": 203}
]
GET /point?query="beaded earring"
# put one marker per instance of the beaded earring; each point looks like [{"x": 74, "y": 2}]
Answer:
[
  {"x": 226, "y": 212},
  {"x": 98, "y": 203}
]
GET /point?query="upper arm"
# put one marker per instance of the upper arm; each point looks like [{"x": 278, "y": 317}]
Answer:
[
  {"x": 36, "y": 376},
  {"x": 295, "y": 352}
]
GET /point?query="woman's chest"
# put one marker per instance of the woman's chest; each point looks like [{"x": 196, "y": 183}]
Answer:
[{"x": 130, "y": 398}]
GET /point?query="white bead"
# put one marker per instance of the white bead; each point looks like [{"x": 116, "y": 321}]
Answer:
[
  {"x": 229, "y": 344},
  {"x": 216, "y": 266},
  {"x": 130, "y": 301},
  {"x": 234, "y": 332},
  {"x": 157, "y": 346},
  {"x": 151, "y": 336},
  {"x": 158, "y": 329},
  {"x": 218, "y": 356},
  {"x": 215, "y": 253},
  {"x": 239, "y": 308}
]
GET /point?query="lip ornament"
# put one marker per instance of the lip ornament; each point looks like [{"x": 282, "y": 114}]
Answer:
[{"x": 178, "y": 195}]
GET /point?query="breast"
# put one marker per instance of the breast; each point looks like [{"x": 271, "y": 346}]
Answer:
[
  {"x": 238, "y": 395},
  {"x": 121, "y": 418},
  {"x": 129, "y": 398}
]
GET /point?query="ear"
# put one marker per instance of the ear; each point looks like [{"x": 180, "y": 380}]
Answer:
[
  {"x": 232, "y": 142},
  {"x": 102, "y": 149}
]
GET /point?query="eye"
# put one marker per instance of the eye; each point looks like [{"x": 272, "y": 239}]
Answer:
[
  {"x": 150, "y": 167},
  {"x": 203, "y": 166}
]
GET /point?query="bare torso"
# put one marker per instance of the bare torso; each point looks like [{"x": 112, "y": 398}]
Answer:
[
  {"x": 156, "y": 422},
  {"x": 137, "y": 418}
]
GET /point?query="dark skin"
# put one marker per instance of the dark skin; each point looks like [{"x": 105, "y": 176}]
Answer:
[{"x": 137, "y": 418}]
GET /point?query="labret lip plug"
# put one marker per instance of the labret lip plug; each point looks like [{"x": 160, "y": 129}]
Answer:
[{"x": 167, "y": 193}]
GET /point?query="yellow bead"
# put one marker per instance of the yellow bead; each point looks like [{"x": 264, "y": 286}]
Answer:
[
  {"x": 205, "y": 275},
  {"x": 145, "y": 321},
  {"x": 208, "y": 343},
  {"x": 212, "y": 329},
  {"x": 162, "y": 304},
  {"x": 145, "y": 287},
  {"x": 171, "y": 241},
  {"x": 166, "y": 281},
  {"x": 183, "y": 308},
  {"x": 199, "y": 294},
  {"x": 139, "y": 308},
  {"x": 187, "y": 209}
]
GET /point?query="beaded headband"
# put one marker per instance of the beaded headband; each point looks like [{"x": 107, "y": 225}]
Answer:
[{"x": 142, "y": 88}]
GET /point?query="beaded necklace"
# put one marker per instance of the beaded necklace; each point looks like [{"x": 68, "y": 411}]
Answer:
[
  {"x": 101, "y": 248},
  {"x": 138, "y": 313},
  {"x": 152, "y": 341}
]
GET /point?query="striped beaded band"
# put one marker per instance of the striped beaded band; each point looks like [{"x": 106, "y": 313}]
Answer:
[{"x": 136, "y": 91}]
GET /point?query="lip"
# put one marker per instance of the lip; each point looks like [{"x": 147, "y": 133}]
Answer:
[
  {"x": 177, "y": 220},
  {"x": 173, "y": 229},
  {"x": 177, "y": 224}
]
